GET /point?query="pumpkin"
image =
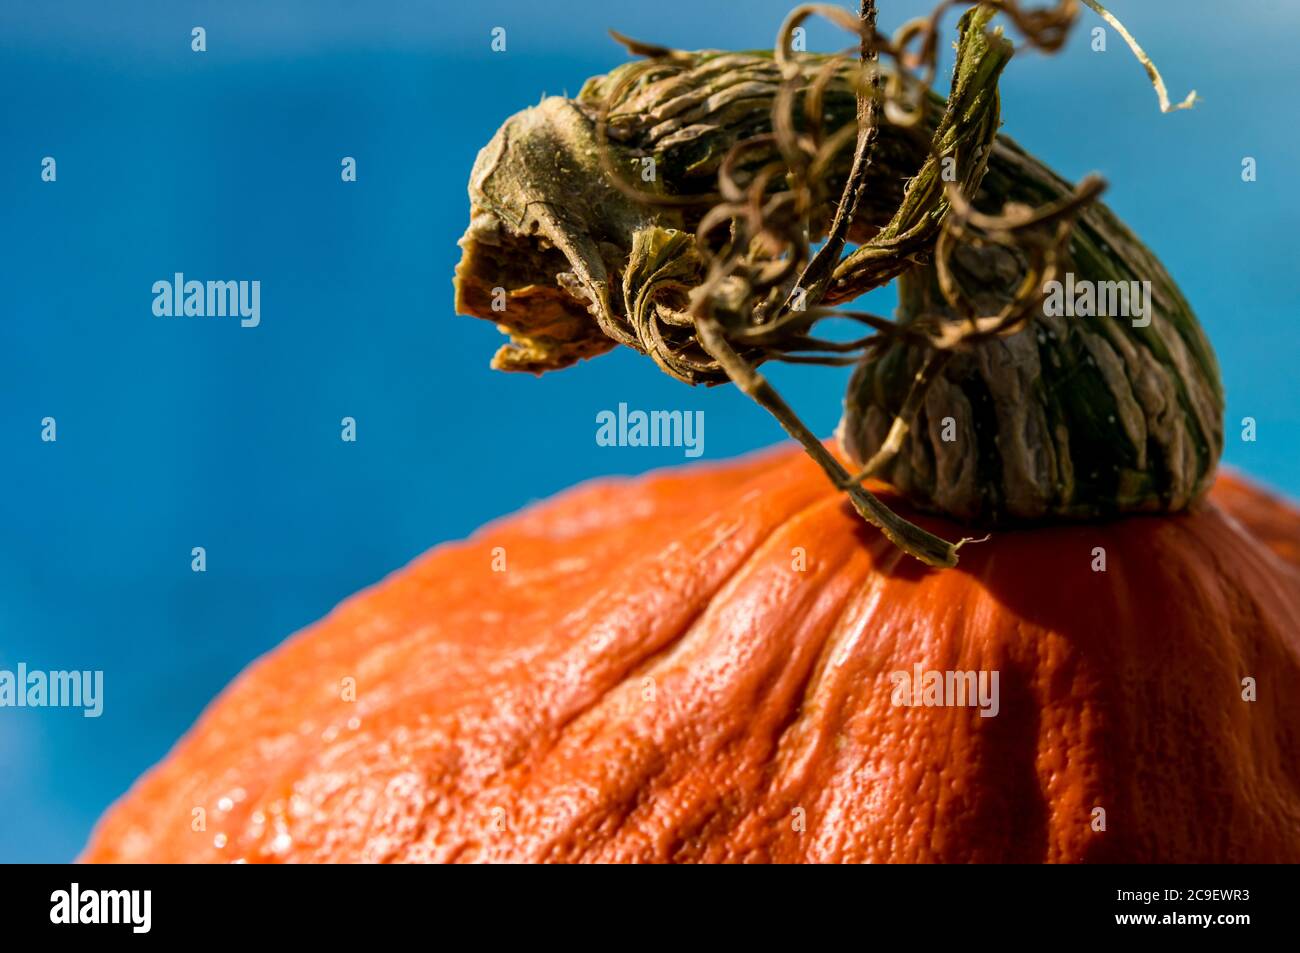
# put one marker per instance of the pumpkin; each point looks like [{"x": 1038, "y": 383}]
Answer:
[{"x": 702, "y": 665}]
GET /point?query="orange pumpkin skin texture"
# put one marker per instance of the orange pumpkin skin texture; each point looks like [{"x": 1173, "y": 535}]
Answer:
[{"x": 653, "y": 679}]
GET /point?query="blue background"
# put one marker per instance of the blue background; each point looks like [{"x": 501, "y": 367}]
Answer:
[{"x": 175, "y": 433}]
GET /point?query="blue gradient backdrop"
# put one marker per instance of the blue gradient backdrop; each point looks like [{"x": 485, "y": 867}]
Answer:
[{"x": 181, "y": 433}]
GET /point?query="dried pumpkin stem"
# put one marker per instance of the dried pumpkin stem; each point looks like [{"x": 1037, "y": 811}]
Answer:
[{"x": 717, "y": 281}]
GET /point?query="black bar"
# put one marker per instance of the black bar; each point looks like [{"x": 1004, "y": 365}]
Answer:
[{"x": 1057, "y": 903}]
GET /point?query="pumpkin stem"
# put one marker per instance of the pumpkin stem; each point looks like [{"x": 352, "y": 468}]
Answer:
[{"x": 979, "y": 401}]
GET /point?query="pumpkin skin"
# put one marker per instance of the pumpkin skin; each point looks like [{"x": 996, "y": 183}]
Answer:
[{"x": 651, "y": 679}]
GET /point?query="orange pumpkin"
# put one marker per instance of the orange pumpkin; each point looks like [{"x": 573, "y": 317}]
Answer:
[{"x": 697, "y": 666}]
